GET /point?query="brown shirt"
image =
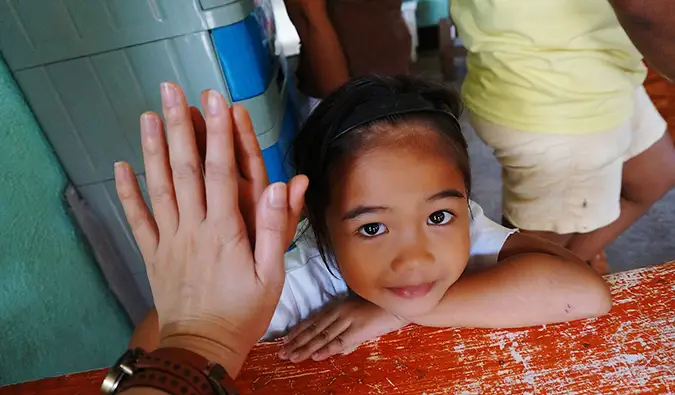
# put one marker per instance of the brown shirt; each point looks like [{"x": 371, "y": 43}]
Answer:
[{"x": 373, "y": 35}]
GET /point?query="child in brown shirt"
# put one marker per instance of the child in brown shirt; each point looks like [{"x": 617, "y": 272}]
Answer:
[{"x": 341, "y": 39}]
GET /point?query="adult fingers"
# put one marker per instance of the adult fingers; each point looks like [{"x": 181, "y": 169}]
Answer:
[
  {"x": 220, "y": 171},
  {"x": 138, "y": 216},
  {"x": 183, "y": 155},
  {"x": 296, "y": 195},
  {"x": 250, "y": 165},
  {"x": 296, "y": 201},
  {"x": 271, "y": 228},
  {"x": 204, "y": 102},
  {"x": 199, "y": 126},
  {"x": 249, "y": 156},
  {"x": 334, "y": 332},
  {"x": 158, "y": 173}
]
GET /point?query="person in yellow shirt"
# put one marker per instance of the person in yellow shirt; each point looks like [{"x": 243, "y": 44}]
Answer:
[{"x": 555, "y": 89}]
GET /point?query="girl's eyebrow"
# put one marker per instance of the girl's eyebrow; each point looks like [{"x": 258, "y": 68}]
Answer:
[
  {"x": 361, "y": 210},
  {"x": 447, "y": 193}
]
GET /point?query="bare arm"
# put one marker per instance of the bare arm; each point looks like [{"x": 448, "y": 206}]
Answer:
[
  {"x": 325, "y": 66},
  {"x": 651, "y": 27},
  {"x": 535, "y": 283},
  {"x": 146, "y": 334}
]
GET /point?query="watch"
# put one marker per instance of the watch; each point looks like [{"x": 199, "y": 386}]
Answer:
[{"x": 173, "y": 370}]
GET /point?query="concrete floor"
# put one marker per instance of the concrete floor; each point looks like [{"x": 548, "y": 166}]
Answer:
[{"x": 649, "y": 241}]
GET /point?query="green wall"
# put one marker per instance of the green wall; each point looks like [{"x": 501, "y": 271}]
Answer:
[{"x": 56, "y": 312}]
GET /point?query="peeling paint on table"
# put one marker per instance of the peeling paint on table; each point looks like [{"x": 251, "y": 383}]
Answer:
[{"x": 632, "y": 350}]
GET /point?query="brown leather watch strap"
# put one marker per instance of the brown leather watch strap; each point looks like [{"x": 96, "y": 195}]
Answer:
[
  {"x": 212, "y": 370},
  {"x": 164, "y": 381},
  {"x": 180, "y": 372}
]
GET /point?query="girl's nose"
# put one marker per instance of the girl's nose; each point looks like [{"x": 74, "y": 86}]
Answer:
[{"x": 412, "y": 258}]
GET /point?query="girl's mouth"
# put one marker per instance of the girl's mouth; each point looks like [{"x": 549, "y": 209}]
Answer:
[{"x": 412, "y": 291}]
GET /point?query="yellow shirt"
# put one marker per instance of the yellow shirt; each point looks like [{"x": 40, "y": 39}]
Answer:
[{"x": 548, "y": 66}]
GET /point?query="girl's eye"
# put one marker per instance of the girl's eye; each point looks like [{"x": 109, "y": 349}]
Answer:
[
  {"x": 440, "y": 217},
  {"x": 372, "y": 230}
]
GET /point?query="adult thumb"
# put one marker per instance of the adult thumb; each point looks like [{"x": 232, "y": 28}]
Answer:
[{"x": 271, "y": 225}]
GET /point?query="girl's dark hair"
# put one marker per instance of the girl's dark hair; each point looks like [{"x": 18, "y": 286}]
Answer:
[{"x": 316, "y": 151}]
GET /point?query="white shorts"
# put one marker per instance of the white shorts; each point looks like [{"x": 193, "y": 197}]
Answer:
[{"x": 568, "y": 183}]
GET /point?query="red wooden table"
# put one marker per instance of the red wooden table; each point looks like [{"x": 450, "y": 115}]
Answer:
[{"x": 632, "y": 350}]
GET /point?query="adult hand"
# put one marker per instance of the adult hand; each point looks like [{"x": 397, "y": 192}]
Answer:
[
  {"x": 214, "y": 290},
  {"x": 252, "y": 177}
]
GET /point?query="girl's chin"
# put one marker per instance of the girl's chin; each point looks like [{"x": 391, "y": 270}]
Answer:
[{"x": 412, "y": 307}]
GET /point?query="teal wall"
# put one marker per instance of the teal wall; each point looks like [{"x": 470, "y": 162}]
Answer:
[
  {"x": 429, "y": 12},
  {"x": 56, "y": 313}
]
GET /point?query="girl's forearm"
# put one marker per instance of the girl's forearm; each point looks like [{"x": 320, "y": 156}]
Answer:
[{"x": 523, "y": 290}]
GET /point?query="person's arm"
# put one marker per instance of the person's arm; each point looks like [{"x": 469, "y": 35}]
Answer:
[
  {"x": 651, "y": 27},
  {"x": 146, "y": 334},
  {"x": 326, "y": 67},
  {"x": 534, "y": 283},
  {"x": 215, "y": 287},
  {"x": 223, "y": 354}
]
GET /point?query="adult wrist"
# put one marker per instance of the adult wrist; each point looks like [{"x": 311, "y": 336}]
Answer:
[
  {"x": 210, "y": 341},
  {"x": 226, "y": 356}
]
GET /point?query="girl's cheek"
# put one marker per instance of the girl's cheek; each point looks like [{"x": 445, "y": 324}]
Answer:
[
  {"x": 359, "y": 263},
  {"x": 359, "y": 275}
]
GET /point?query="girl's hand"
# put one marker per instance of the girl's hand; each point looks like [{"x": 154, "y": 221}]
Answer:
[
  {"x": 338, "y": 330},
  {"x": 215, "y": 291}
]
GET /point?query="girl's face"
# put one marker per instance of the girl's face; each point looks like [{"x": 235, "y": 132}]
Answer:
[{"x": 399, "y": 226}]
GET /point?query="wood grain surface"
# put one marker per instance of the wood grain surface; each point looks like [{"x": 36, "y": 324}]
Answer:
[{"x": 631, "y": 350}]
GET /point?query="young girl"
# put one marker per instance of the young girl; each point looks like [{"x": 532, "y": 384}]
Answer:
[
  {"x": 394, "y": 232},
  {"x": 391, "y": 236}
]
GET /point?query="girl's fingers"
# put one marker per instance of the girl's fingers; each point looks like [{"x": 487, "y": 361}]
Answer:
[
  {"x": 334, "y": 332},
  {"x": 338, "y": 345},
  {"x": 307, "y": 331},
  {"x": 183, "y": 155},
  {"x": 140, "y": 220},
  {"x": 158, "y": 173},
  {"x": 220, "y": 169},
  {"x": 304, "y": 325},
  {"x": 249, "y": 156},
  {"x": 297, "y": 330}
]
